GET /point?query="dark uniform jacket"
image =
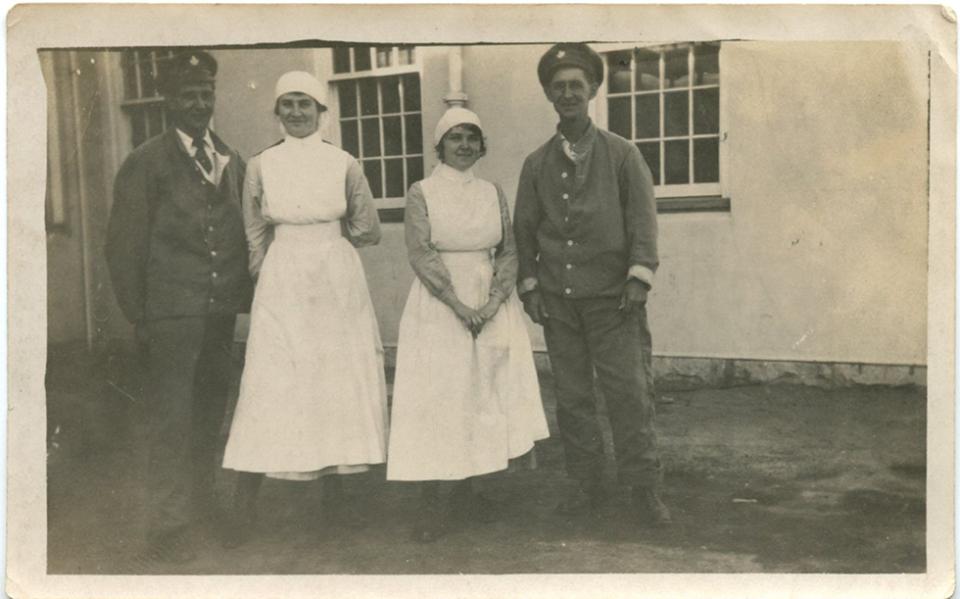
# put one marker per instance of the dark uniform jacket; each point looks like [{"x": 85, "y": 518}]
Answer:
[
  {"x": 583, "y": 227},
  {"x": 175, "y": 241}
]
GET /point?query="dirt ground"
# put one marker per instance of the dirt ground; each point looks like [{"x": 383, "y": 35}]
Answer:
[{"x": 759, "y": 479}]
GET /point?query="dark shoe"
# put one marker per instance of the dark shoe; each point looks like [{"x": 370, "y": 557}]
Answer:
[
  {"x": 583, "y": 498},
  {"x": 239, "y": 527},
  {"x": 172, "y": 548},
  {"x": 429, "y": 524},
  {"x": 466, "y": 504},
  {"x": 650, "y": 508}
]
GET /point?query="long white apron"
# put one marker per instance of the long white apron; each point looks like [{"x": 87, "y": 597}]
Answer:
[
  {"x": 313, "y": 395},
  {"x": 462, "y": 406}
]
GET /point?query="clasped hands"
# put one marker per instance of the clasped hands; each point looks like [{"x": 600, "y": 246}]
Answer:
[{"x": 476, "y": 319}]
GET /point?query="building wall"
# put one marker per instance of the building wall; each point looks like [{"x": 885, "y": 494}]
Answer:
[{"x": 822, "y": 256}]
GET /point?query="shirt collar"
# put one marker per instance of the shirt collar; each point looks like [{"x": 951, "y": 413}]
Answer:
[
  {"x": 187, "y": 140},
  {"x": 452, "y": 174},
  {"x": 579, "y": 150},
  {"x": 310, "y": 141}
]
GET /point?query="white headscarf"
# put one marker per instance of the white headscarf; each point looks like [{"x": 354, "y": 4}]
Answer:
[
  {"x": 453, "y": 117},
  {"x": 303, "y": 82}
]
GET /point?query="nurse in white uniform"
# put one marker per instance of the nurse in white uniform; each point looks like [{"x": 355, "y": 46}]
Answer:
[
  {"x": 466, "y": 397},
  {"x": 312, "y": 397}
]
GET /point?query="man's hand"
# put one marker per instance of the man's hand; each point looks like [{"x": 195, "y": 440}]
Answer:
[
  {"x": 634, "y": 296},
  {"x": 533, "y": 306}
]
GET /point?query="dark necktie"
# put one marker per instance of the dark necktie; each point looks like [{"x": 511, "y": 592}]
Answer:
[{"x": 201, "y": 156}]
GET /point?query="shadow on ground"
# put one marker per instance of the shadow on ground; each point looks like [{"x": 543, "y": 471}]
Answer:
[{"x": 760, "y": 479}]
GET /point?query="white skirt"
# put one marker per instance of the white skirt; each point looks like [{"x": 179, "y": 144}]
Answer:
[
  {"x": 313, "y": 395},
  {"x": 462, "y": 406}
]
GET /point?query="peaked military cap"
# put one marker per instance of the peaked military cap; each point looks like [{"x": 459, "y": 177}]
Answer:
[
  {"x": 570, "y": 55},
  {"x": 187, "y": 66}
]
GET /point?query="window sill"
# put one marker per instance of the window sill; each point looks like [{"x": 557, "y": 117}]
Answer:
[{"x": 693, "y": 204}]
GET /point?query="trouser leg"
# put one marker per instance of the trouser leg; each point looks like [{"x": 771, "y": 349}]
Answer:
[
  {"x": 646, "y": 346},
  {"x": 174, "y": 347},
  {"x": 212, "y": 380},
  {"x": 615, "y": 344},
  {"x": 576, "y": 408}
]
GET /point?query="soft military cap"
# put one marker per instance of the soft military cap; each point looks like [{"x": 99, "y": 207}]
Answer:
[
  {"x": 188, "y": 66},
  {"x": 566, "y": 55}
]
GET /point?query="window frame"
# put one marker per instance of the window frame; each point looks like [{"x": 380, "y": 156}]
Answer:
[
  {"x": 138, "y": 106},
  {"x": 390, "y": 208},
  {"x": 684, "y": 197}
]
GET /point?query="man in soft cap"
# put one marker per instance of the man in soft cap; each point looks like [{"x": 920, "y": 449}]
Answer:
[
  {"x": 177, "y": 256},
  {"x": 586, "y": 233}
]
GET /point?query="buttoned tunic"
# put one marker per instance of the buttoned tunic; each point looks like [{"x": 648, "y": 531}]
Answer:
[
  {"x": 175, "y": 242},
  {"x": 582, "y": 226}
]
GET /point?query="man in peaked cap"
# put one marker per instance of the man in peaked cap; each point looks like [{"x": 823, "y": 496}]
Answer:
[
  {"x": 586, "y": 233},
  {"x": 177, "y": 256}
]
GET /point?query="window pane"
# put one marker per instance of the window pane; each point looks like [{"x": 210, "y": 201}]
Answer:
[
  {"x": 677, "y": 108},
  {"x": 341, "y": 59},
  {"x": 361, "y": 58},
  {"x": 651, "y": 154},
  {"x": 371, "y": 168},
  {"x": 368, "y": 97},
  {"x": 350, "y": 138},
  {"x": 348, "y": 98},
  {"x": 147, "y": 87},
  {"x": 618, "y": 76},
  {"x": 414, "y": 170},
  {"x": 383, "y": 56},
  {"x": 648, "y": 70},
  {"x": 648, "y": 116},
  {"x": 395, "y": 187},
  {"x": 411, "y": 92},
  {"x": 677, "y": 162},
  {"x": 676, "y": 68},
  {"x": 706, "y": 64},
  {"x": 414, "y": 134},
  {"x": 407, "y": 55},
  {"x": 370, "y": 131},
  {"x": 129, "y": 75},
  {"x": 392, "y": 137},
  {"x": 618, "y": 116},
  {"x": 154, "y": 120},
  {"x": 706, "y": 111},
  {"x": 706, "y": 160},
  {"x": 390, "y": 94}
]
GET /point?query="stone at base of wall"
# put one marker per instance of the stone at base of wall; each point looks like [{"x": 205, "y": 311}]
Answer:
[{"x": 683, "y": 373}]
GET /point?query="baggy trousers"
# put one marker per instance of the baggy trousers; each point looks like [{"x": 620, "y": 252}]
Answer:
[
  {"x": 189, "y": 373},
  {"x": 593, "y": 335}
]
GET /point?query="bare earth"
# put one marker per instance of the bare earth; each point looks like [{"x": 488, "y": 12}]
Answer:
[{"x": 760, "y": 479}]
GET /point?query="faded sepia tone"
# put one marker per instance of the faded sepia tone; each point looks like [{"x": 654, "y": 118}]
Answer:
[{"x": 802, "y": 315}]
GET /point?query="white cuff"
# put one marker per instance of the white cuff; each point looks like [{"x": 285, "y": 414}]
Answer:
[
  {"x": 642, "y": 273},
  {"x": 527, "y": 285}
]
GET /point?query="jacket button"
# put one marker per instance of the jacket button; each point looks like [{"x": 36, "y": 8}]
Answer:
[
  {"x": 569, "y": 242},
  {"x": 563, "y": 174},
  {"x": 568, "y": 291},
  {"x": 210, "y": 228},
  {"x": 214, "y": 274},
  {"x": 566, "y": 196},
  {"x": 211, "y": 300},
  {"x": 213, "y": 253},
  {"x": 569, "y": 266}
]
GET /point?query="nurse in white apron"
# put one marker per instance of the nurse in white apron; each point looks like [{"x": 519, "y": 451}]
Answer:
[
  {"x": 466, "y": 397},
  {"x": 312, "y": 397}
]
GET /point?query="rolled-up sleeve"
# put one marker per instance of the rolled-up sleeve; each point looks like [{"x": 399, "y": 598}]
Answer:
[
  {"x": 128, "y": 238},
  {"x": 361, "y": 224},
  {"x": 424, "y": 258},
  {"x": 526, "y": 222},
  {"x": 505, "y": 265},
  {"x": 640, "y": 202},
  {"x": 259, "y": 231}
]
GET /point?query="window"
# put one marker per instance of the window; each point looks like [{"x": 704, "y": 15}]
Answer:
[
  {"x": 666, "y": 99},
  {"x": 142, "y": 100},
  {"x": 378, "y": 88}
]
